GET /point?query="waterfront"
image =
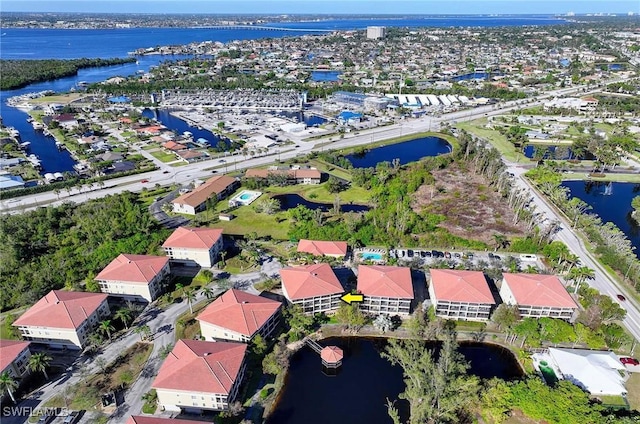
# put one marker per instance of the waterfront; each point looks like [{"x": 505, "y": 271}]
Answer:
[
  {"x": 358, "y": 393},
  {"x": 180, "y": 126},
  {"x": 406, "y": 152},
  {"x": 612, "y": 203}
]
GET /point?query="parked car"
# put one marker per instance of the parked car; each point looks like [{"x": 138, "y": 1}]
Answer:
[
  {"x": 468, "y": 255},
  {"x": 621, "y": 297},
  {"x": 165, "y": 171},
  {"x": 629, "y": 361},
  {"x": 447, "y": 255},
  {"x": 410, "y": 253},
  {"x": 144, "y": 181},
  {"x": 73, "y": 417},
  {"x": 457, "y": 255},
  {"x": 46, "y": 419}
]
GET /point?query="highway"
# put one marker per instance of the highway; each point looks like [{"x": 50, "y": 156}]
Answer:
[{"x": 186, "y": 174}]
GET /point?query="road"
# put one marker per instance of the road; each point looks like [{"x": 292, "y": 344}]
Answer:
[{"x": 603, "y": 282}]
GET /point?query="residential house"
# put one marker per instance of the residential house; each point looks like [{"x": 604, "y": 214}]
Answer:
[
  {"x": 195, "y": 201},
  {"x": 191, "y": 156},
  {"x": 314, "y": 287},
  {"x": 14, "y": 358},
  {"x": 463, "y": 295},
  {"x": 335, "y": 249},
  {"x": 294, "y": 176},
  {"x": 199, "y": 375},
  {"x": 238, "y": 315},
  {"x": 63, "y": 319},
  {"x": 537, "y": 295},
  {"x": 135, "y": 277},
  {"x": 386, "y": 289},
  {"x": 193, "y": 246}
]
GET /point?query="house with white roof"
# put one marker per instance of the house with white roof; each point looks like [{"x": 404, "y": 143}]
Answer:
[
  {"x": 63, "y": 319},
  {"x": 135, "y": 277},
  {"x": 194, "y": 246}
]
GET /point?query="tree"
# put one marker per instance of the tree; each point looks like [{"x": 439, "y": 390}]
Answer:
[
  {"x": 125, "y": 315},
  {"x": 105, "y": 327},
  {"x": 334, "y": 185},
  {"x": 208, "y": 292},
  {"x": 505, "y": 316},
  {"x": 190, "y": 296},
  {"x": 258, "y": 345},
  {"x": 351, "y": 316},
  {"x": 500, "y": 241},
  {"x": 438, "y": 390},
  {"x": 383, "y": 323},
  {"x": 299, "y": 322},
  {"x": 8, "y": 384},
  {"x": 40, "y": 362}
]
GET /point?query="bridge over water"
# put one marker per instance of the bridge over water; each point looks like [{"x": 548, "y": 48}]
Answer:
[{"x": 266, "y": 28}]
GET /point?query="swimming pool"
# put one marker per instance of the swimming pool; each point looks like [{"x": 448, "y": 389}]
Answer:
[
  {"x": 244, "y": 198},
  {"x": 369, "y": 256}
]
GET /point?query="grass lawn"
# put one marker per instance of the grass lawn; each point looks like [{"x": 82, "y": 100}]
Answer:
[
  {"x": 633, "y": 391},
  {"x": 149, "y": 146},
  {"x": 62, "y": 98},
  {"x": 331, "y": 169},
  {"x": 499, "y": 141},
  {"x": 238, "y": 265},
  {"x": 248, "y": 220},
  {"x": 624, "y": 178},
  {"x": 180, "y": 163},
  {"x": 613, "y": 401},
  {"x": 187, "y": 327},
  {"x": 319, "y": 193},
  {"x": 163, "y": 156}
]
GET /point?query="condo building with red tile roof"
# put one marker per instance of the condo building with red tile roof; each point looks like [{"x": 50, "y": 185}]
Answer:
[
  {"x": 200, "y": 375},
  {"x": 336, "y": 249},
  {"x": 14, "y": 357},
  {"x": 195, "y": 201},
  {"x": 63, "y": 319},
  {"x": 194, "y": 246},
  {"x": 386, "y": 289},
  {"x": 463, "y": 295},
  {"x": 314, "y": 287},
  {"x": 239, "y": 316},
  {"x": 135, "y": 277},
  {"x": 538, "y": 295}
]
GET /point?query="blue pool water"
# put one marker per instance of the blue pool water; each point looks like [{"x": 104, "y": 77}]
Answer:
[
  {"x": 374, "y": 256},
  {"x": 245, "y": 196}
]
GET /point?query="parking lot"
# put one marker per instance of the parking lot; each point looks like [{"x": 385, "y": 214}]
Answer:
[{"x": 468, "y": 260}]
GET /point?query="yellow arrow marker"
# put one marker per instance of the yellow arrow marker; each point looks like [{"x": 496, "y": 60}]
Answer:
[{"x": 350, "y": 297}]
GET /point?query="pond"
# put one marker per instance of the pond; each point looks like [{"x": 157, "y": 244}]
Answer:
[
  {"x": 611, "y": 202},
  {"x": 407, "y": 151},
  {"x": 554, "y": 152},
  {"x": 290, "y": 201},
  {"x": 358, "y": 393}
]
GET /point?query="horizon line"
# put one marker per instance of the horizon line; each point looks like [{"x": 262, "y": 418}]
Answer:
[{"x": 565, "y": 14}]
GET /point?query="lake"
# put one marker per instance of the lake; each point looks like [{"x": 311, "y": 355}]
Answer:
[
  {"x": 407, "y": 151},
  {"x": 554, "y": 152},
  {"x": 358, "y": 393},
  {"x": 290, "y": 201},
  {"x": 611, "y": 202}
]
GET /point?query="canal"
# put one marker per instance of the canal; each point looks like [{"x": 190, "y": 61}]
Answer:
[{"x": 359, "y": 393}]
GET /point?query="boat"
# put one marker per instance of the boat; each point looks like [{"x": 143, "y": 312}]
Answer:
[
  {"x": 187, "y": 134},
  {"x": 59, "y": 145},
  {"x": 37, "y": 125},
  {"x": 25, "y": 145}
]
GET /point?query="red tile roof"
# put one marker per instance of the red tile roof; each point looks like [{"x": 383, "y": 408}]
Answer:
[
  {"x": 9, "y": 351},
  {"x": 538, "y": 290},
  {"x": 310, "y": 281},
  {"x": 197, "y": 366},
  {"x": 200, "y": 194},
  {"x": 461, "y": 286},
  {"x": 137, "y": 419},
  {"x": 61, "y": 309},
  {"x": 331, "y": 354},
  {"x": 385, "y": 281},
  {"x": 319, "y": 248},
  {"x": 133, "y": 268},
  {"x": 193, "y": 238},
  {"x": 239, "y": 311}
]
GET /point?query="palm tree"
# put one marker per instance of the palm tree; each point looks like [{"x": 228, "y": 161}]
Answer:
[
  {"x": 8, "y": 384},
  {"x": 190, "y": 296},
  {"x": 106, "y": 328},
  {"x": 223, "y": 254},
  {"x": 501, "y": 241},
  {"x": 208, "y": 292},
  {"x": 40, "y": 362},
  {"x": 124, "y": 315}
]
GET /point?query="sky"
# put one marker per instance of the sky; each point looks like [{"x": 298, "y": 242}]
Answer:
[{"x": 424, "y": 7}]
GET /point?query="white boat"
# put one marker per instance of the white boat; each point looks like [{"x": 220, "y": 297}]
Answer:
[
  {"x": 25, "y": 145},
  {"x": 37, "y": 125}
]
